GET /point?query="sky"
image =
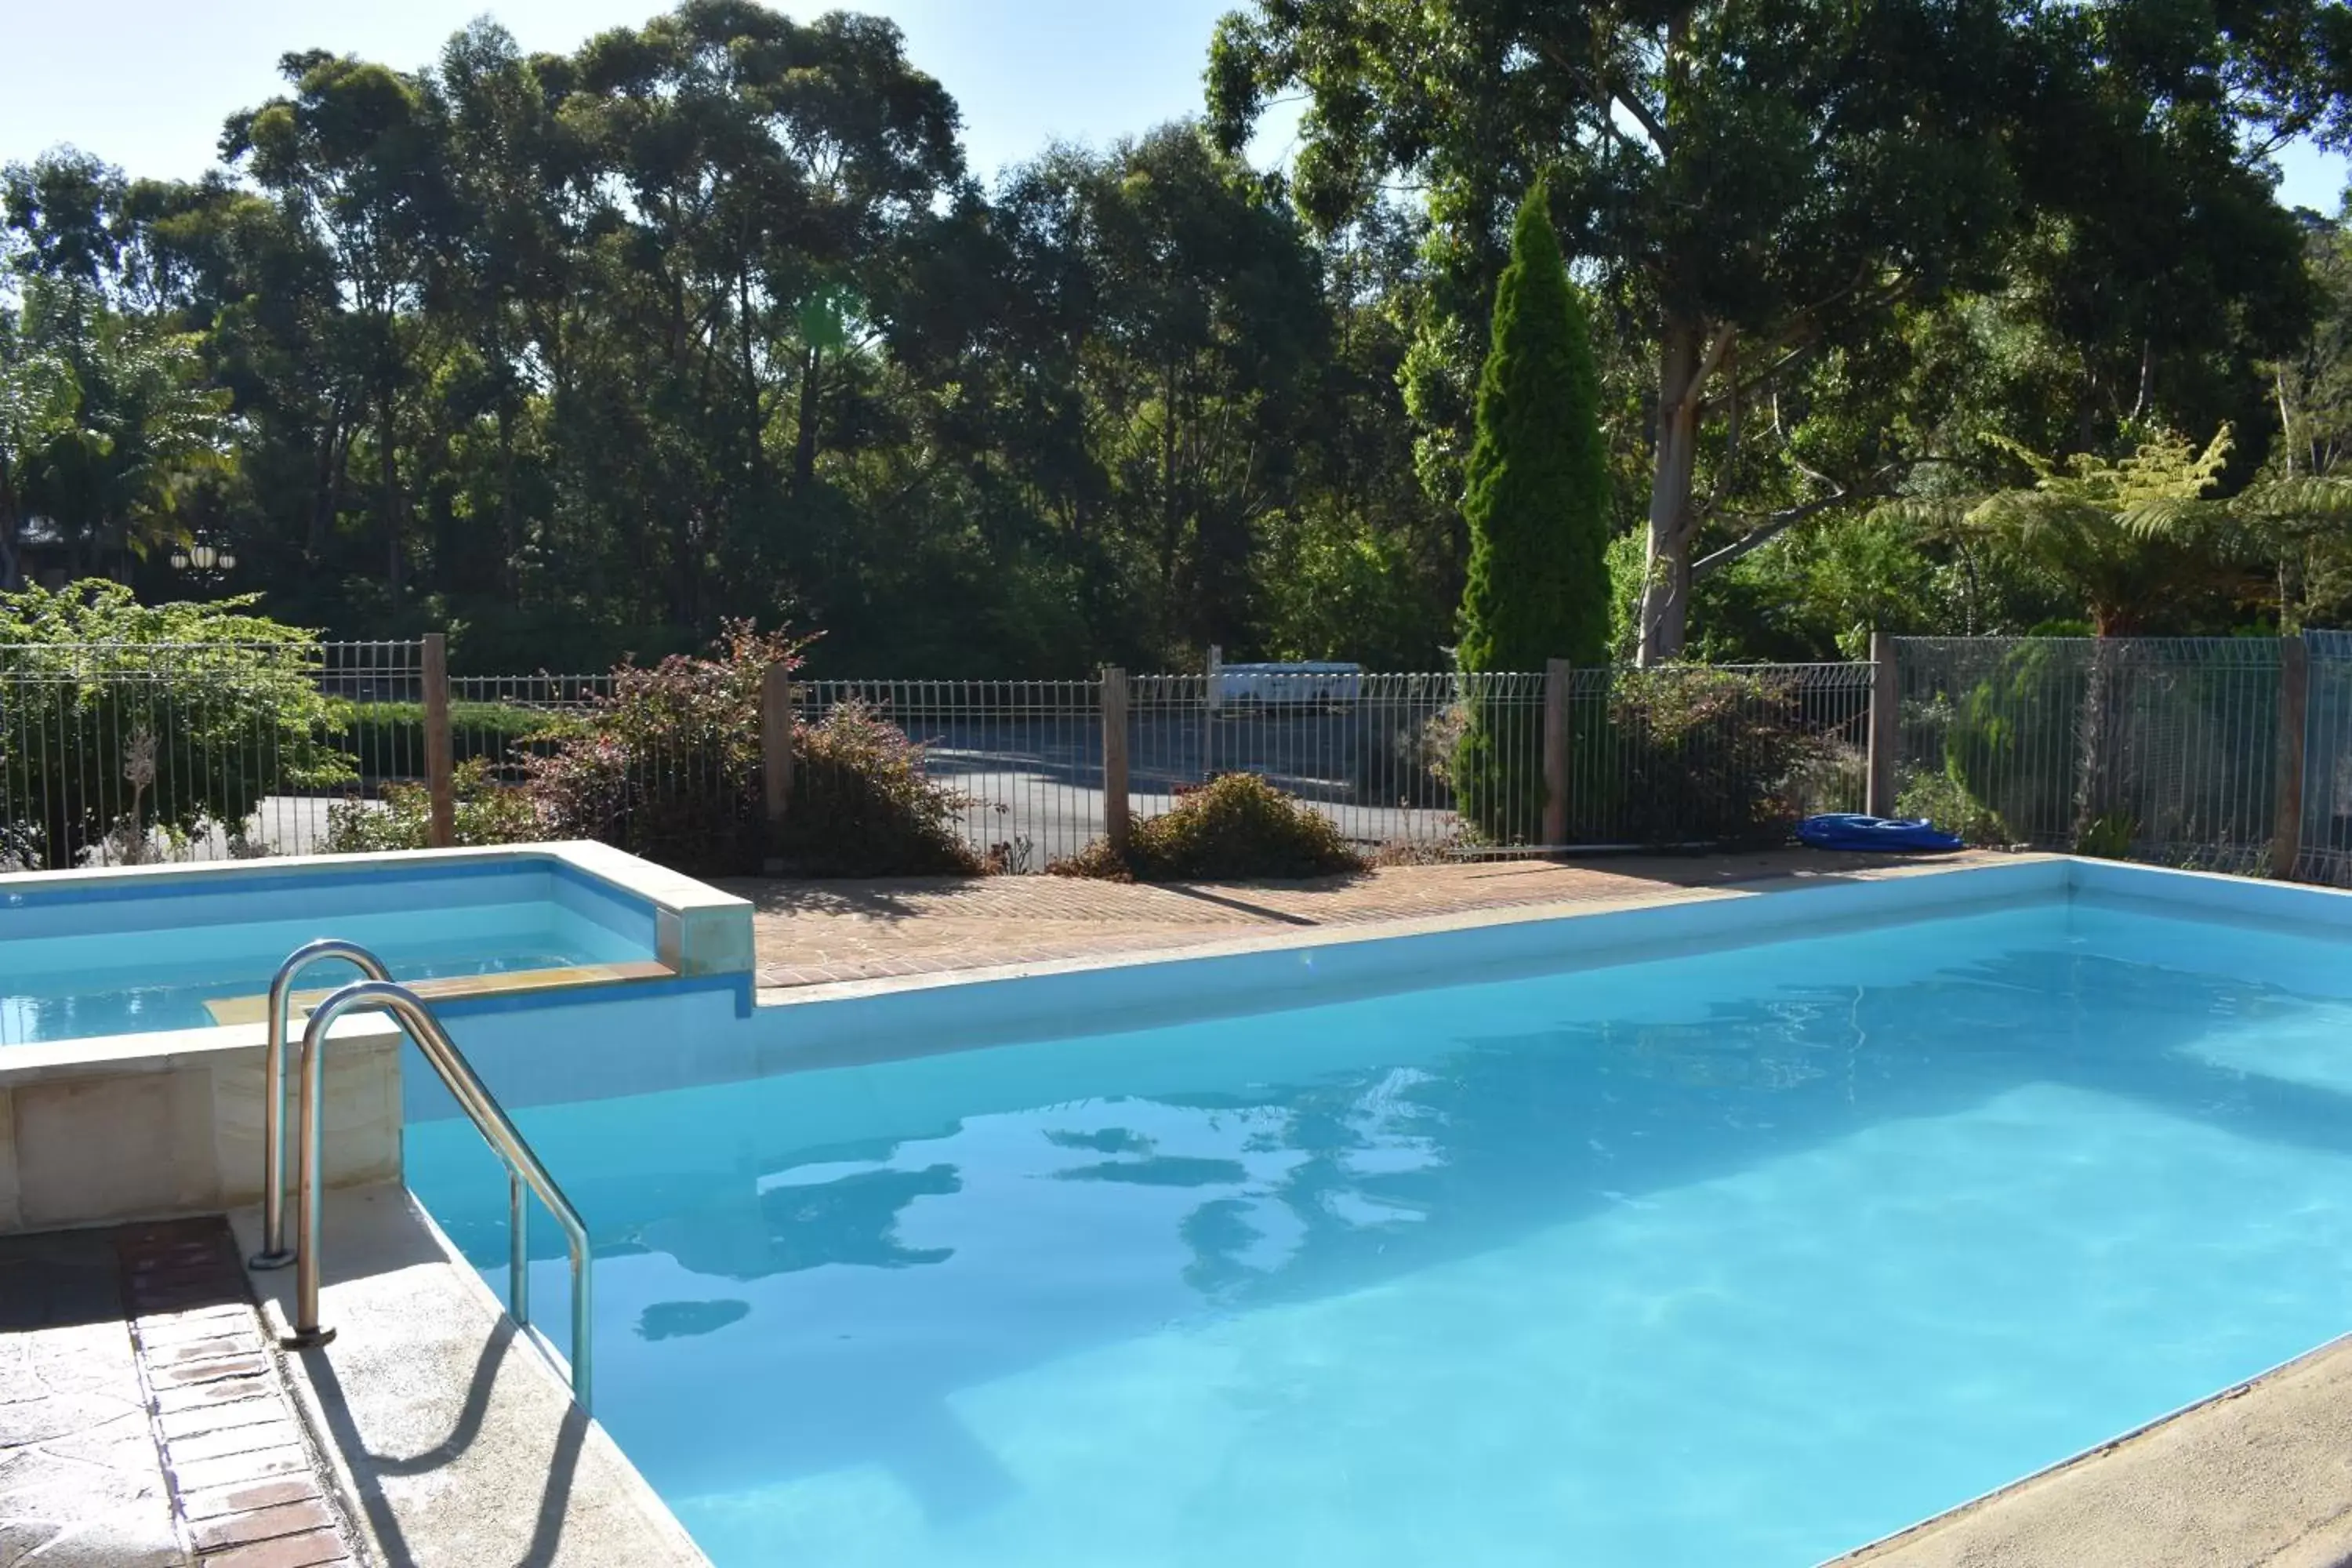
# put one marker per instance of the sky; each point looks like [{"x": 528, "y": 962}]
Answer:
[{"x": 145, "y": 84}]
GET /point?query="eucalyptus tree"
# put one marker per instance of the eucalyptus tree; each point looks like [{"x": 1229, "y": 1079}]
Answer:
[
  {"x": 1761, "y": 185},
  {"x": 354, "y": 158},
  {"x": 760, "y": 167}
]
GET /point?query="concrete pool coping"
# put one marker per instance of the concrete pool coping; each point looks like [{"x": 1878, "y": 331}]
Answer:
[
  {"x": 450, "y": 1436},
  {"x": 2257, "y": 1476},
  {"x": 699, "y": 930}
]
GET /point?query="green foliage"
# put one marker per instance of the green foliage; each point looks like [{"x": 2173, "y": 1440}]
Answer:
[
  {"x": 1768, "y": 201},
  {"x": 1706, "y": 756},
  {"x": 1236, "y": 828},
  {"x": 1938, "y": 797},
  {"x": 388, "y": 738},
  {"x": 1537, "y": 506},
  {"x": 589, "y": 352},
  {"x": 2008, "y": 745},
  {"x": 2108, "y": 836},
  {"x": 1537, "y": 509},
  {"x": 488, "y": 812},
  {"x": 179, "y": 721}
]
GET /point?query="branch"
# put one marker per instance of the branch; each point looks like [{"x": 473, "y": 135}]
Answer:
[
  {"x": 1772, "y": 527},
  {"x": 1777, "y": 523},
  {"x": 1651, "y": 125},
  {"x": 1707, "y": 365},
  {"x": 1615, "y": 89},
  {"x": 1804, "y": 337}
]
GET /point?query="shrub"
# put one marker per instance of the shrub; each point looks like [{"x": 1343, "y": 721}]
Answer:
[
  {"x": 1945, "y": 801},
  {"x": 125, "y": 720},
  {"x": 1236, "y": 828},
  {"x": 669, "y": 767},
  {"x": 2009, "y": 741},
  {"x": 1707, "y": 756},
  {"x": 488, "y": 812},
  {"x": 388, "y": 738},
  {"x": 862, "y": 807}
]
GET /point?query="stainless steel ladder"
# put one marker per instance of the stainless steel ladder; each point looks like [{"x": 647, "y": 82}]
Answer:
[{"x": 524, "y": 1170}]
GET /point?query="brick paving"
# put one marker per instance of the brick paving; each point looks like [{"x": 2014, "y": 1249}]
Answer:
[
  {"x": 144, "y": 1422},
  {"x": 813, "y": 932}
]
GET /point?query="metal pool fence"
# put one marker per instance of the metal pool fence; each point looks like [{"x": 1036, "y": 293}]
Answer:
[
  {"x": 124, "y": 754},
  {"x": 2178, "y": 751},
  {"x": 2228, "y": 753},
  {"x": 2324, "y": 845}
]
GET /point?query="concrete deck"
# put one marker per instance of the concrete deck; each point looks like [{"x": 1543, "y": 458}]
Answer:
[
  {"x": 455, "y": 1439},
  {"x": 2259, "y": 1477}
]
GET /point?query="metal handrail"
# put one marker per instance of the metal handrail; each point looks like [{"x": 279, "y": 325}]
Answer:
[
  {"x": 489, "y": 1119},
  {"x": 275, "y": 1253}
]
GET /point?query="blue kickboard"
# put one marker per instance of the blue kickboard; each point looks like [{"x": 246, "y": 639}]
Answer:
[{"x": 1847, "y": 830}]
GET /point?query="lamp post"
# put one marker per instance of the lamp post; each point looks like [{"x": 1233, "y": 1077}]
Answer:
[{"x": 200, "y": 557}]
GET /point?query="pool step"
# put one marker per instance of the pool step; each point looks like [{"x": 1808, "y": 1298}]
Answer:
[{"x": 256, "y": 1009}]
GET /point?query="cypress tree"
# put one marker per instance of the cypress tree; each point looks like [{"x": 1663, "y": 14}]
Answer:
[{"x": 1538, "y": 507}]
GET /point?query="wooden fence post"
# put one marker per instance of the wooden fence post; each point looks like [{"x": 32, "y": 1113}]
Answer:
[
  {"x": 776, "y": 744},
  {"x": 1885, "y": 696},
  {"x": 440, "y": 767},
  {"x": 1555, "y": 753},
  {"x": 1116, "y": 821},
  {"x": 2294, "y": 699}
]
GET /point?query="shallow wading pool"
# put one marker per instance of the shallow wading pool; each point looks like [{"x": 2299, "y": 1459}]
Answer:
[
  {"x": 116, "y": 954},
  {"x": 1744, "y": 1231}
]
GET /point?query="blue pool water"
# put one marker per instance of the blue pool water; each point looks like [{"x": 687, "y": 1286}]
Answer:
[
  {"x": 129, "y": 957},
  {"x": 1747, "y": 1257}
]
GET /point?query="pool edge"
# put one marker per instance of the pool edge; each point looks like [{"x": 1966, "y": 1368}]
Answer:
[{"x": 493, "y": 1414}]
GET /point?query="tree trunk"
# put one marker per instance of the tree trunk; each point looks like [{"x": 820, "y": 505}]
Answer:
[
  {"x": 509, "y": 530},
  {"x": 12, "y": 574},
  {"x": 2094, "y": 755},
  {"x": 805, "y": 438},
  {"x": 388, "y": 474},
  {"x": 327, "y": 495},
  {"x": 1667, "y": 581}
]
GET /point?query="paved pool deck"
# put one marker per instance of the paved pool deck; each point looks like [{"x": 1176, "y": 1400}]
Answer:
[
  {"x": 144, "y": 1422},
  {"x": 821, "y": 933}
]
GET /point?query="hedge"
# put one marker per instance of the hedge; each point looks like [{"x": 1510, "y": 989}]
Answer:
[{"x": 388, "y": 738}]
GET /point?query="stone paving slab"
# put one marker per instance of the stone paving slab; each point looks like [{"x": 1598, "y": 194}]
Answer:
[
  {"x": 144, "y": 1422},
  {"x": 818, "y": 932}
]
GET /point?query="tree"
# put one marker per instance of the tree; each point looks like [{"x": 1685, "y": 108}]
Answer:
[
  {"x": 1538, "y": 514},
  {"x": 355, "y": 156},
  {"x": 1538, "y": 505},
  {"x": 1760, "y": 186},
  {"x": 105, "y": 413},
  {"x": 39, "y": 409}
]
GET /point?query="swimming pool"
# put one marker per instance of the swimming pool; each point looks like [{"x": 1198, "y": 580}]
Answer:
[
  {"x": 1745, "y": 1232},
  {"x": 120, "y": 954}
]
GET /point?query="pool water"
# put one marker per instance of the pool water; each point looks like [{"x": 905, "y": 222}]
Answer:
[
  {"x": 130, "y": 960},
  {"x": 1747, "y": 1257}
]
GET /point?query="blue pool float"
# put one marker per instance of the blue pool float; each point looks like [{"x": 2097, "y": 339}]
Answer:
[{"x": 1847, "y": 830}]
